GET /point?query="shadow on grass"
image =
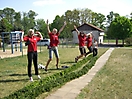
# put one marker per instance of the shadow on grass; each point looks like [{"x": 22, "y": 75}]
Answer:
[
  {"x": 51, "y": 69},
  {"x": 3, "y": 81},
  {"x": 68, "y": 62},
  {"x": 18, "y": 75},
  {"x": 55, "y": 69}
]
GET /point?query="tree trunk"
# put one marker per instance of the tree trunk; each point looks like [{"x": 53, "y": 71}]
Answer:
[
  {"x": 123, "y": 42},
  {"x": 0, "y": 42},
  {"x": 116, "y": 41}
]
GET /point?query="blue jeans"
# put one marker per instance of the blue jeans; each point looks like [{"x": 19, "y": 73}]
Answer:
[{"x": 55, "y": 50}]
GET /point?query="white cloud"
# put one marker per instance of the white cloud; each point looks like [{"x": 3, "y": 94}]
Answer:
[{"x": 47, "y": 2}]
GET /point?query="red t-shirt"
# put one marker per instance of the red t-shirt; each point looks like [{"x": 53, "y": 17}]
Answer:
[
  {"x": 82, "y": 40},
  {"x": 33, "y": 42},
  {"x": 89, "y": 41},
  {"x": 54, "y": 41}
]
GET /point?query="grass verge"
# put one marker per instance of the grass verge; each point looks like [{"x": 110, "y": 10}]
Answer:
[
  {"x": 13, "y": 72},
  {"x": 113, "y": 81}
]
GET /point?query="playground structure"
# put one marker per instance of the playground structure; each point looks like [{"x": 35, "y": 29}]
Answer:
[{"x": 12, "y": 38}]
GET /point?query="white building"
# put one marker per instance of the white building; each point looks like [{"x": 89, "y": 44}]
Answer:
[{"x": 87, "y": 28}]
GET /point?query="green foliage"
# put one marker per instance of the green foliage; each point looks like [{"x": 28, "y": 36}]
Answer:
[
  {"x": 98, "y": 20},
  {"x": 120, "y": 28},
  {"x": 15, "y": 21},
  {"x": 58, "y": 23},
  {"x": 111, "y": 17},
  {"x": 80, "y": 16},
  {"x": 25, "y": 21},
  {"x": 5, "y": 25},
  {"x": 42, "y": 27}
]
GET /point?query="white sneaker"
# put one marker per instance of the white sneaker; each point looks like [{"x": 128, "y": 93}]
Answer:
[
  {"x": 31, "y": 79},
  {"x": 39, "y": 77}
]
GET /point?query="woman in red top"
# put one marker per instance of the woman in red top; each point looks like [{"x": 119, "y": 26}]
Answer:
[
  {"x": 31, "y": 42},
  {"x": 82, "y": 39},
  {"x": 54, "y": 41},
  {"x": 89, "y": 43}
]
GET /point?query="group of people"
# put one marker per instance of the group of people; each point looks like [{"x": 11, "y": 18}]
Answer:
[
  {"x": 88, "y": 39},
  {"x": 31, "y": 41}
]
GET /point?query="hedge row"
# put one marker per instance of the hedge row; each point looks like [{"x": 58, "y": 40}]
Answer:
[{"x": 58, "y": 79}]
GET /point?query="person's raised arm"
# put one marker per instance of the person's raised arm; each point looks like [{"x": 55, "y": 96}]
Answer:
[
  {"x": 76, "y": 30},
  {"x": 22, "y": 36},
  {"x": 90, "y": 34},
  {"x": 48, "y": 26},
  {"x": 62, "y": 27},
  {"x": 40, "y": 35}
]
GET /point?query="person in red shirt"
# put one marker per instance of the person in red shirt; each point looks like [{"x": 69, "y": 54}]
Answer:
[
  {"x": 31, "y": 43},
  {"x": 82, "y": 39},
  {"x": 89, "y": 43},
  {"x": 54, "y": 41}
]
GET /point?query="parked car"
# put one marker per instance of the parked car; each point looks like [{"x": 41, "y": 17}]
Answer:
[{"x": 44, "y": 42}]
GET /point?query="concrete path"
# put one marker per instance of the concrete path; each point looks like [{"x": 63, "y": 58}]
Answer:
[{"x": 71, "y": 89}]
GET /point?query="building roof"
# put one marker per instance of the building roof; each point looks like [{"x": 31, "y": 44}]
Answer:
[{"x": 87, "y": 26}]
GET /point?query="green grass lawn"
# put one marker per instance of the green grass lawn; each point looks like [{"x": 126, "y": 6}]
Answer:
[
  {"x": 114, "y": 80},
  {"x": 13, "y": 71},
  {"x": 111, "y": 41}
]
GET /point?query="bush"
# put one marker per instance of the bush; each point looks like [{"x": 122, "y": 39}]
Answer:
[{"x": 129, "y": 40}]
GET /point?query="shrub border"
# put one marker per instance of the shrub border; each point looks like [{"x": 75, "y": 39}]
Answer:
[{"x": 58, "y": 79}]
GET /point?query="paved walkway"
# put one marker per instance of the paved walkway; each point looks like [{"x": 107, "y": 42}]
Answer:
[{"x": 71, "y": 89}]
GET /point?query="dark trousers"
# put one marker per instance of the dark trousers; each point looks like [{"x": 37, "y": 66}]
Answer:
[
  {"x": 82, "y": 50},
  {"x": 95, "y": 51},
  {"x": 90, "y": 50},
  {"x": 32, "y": 56}
]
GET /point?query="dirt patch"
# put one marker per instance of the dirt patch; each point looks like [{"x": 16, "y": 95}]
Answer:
[{"x": 8, "y": 53}]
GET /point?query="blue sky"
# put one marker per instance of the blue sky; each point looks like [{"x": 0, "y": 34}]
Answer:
[{"x": 48, "y": 9}]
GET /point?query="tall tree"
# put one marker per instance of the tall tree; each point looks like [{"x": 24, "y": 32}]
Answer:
[
  {"x": 94, "y": 18},
  {"x": 25, "y": 22},
  {"x": 5, "y": 26},
  {"x": 28, "y": 20},
  {"x": 42, "y": 27},
  {"x": 120, "y": 28},
  {"x": 111, "y": 17},
  {"x": 68, "y": 16},
  {"x": 80, "y": 16},
  {"x": 131, "y": 17},
  {"x": 85, "y": 16},
  {"x": 17, "y": 22},
  {"x": 9, "y": 14},
  {"x": 1, "y": 14},
  {"x": 31, "y": 18},
  {"x": 58, "y": 23},
  {"x": 98, "y": 20}
]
